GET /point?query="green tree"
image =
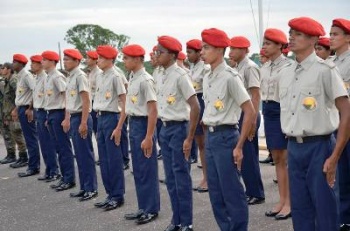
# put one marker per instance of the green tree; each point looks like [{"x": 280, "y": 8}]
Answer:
[{"x": 87, "y": 37}]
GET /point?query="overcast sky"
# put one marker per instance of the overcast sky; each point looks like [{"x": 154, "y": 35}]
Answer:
[{"x": 30, "y": 27}]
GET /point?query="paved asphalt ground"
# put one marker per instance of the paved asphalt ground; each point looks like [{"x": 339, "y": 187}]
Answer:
[{"x": 29, "y": 205}]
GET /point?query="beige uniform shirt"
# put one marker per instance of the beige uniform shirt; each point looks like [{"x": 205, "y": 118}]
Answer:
[
  {"x": 343, "y": 63},
  {"x": 25, "y": 87},
  {"x": 157, "y": 74},
  {"x": 197, "y": 73},
  {"x": 92, "y": 80},
  {"x": 269, "y": 73},
  {"x": 55, "y": 88},
  {"x": 173, "y": 90},
  {"x": 109, "y": 87},
  {"x": 39, "y": 91},
  {"x": 307, "y": 93},
  {"x": 249, "y": 72},
  {"x": 77, "y": 82},
  {"x": 140, "y": 91},
  {"x": 223, "y": 93}
]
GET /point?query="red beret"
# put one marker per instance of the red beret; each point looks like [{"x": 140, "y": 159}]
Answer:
[
  {"x": 343, "y": 24},
  {"x": 92, "y": 54},
  {"x": 107, "y": 51},
  {"x": 134, "y": 50},
  {"x": 36, "y": 58},
  {"x": 324, "y": 41},
  {"x": 307, "y": 25},
  {"x": 170, "y": 43},
  {"x": 50, "y": 55},
  {"x": 276, "y": 35},
  {"x": 285, "y": 51},
  {"x": 181, "y": 56},
  {"x": 240, "y": 42},
  {"x": 194, "y": 44},
  {"x": 262, "y": 52},
  {"x": 73, "y": 53},
  {"x": 215, "y": 37},
  {"x": 20, "y": 58}
]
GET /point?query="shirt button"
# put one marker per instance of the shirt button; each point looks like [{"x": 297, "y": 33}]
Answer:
[
  {"x": 293, "y": 96},
  {"x": 293, "y": 113},
  {"x": 296, "y": 79}
]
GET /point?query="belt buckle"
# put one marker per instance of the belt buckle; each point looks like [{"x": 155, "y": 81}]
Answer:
[
  {"x": 164, "y": 123},
  {"x": 211, "y": 129},
  {"x": 99, "y": 113},
  {"x": 299, "y": 139}
]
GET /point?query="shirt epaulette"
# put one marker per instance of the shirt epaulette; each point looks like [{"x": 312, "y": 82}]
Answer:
[{"x": 329, "y": 63}]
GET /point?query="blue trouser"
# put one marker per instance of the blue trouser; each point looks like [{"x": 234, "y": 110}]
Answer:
[
  {"x": 31, "y": 137},
  {"x": 344, "y": 184},
  {"x": 84, "y": 153},
  {"x": 111, "y": 158},
  {"x": 313, "y": 202},
  {"x": 94, "y": 121},
  {"x": 194, "y": 151},
  {"x": 47, "y": 148},
  {"x": 177, "y": 172},
  {"x": 124, "y": 143},
  {"x": 145, "y": 169},
  {"x": 159, "y": 127},
  {"x": 62, "y": 144},
  {"x": 226, "y": 192},
  {"x": 250, "y": 165}
]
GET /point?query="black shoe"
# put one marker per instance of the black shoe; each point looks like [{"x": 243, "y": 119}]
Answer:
[
  {"x": 280, "y": 217},
  {"x": 97, "y": 162},
  {"x": 43, "y": 178},
  {"x": 21, "y": 162},
  {"x": 271, "y": 214},
  {"x": 159, "y": 156},
  {"x": 187, "y": 228},
  {"x": 268, "y": 160},
  {"x": 255, "y": 201},
  {"x": 8, "y": 160},
  {"x": 344, "y": 227},
  {"x": 272, "y": 163},
  {"x": 172, "y": 227},
  {"x": 202, "y": 190},
  {"x": 162, "y": 181},
  {"x": 29, "y": 172},
  {"x": 126, "y": 166},
  {"x": 193, "y": 161},
  {"x": 102, "y": 204},
  {"x": 53, "y": 178},
  {"x": 199, "y": 166},
  {"x": 275, "y": 181},
  {"x": 88, "y": 196},
  {"x": 112, "y": 204},
  {"x": 58, "y": 184},
  {"x": 146, "y": 218},
  {"x": 77, "y": 194},
  {"x": 65, "y": 186},
  {"x": 134, "y": 216}
]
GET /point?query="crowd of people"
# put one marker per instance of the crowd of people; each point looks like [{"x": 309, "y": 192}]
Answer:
[{"x": 210, "y": 106}]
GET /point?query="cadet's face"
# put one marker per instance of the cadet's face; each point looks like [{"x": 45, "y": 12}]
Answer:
[
  {"x": 263, "y": 59},
  {"x": 103, "y": 63},
  {"x": 210, "y": 54},
  {"x": 232, "y": 62},
  {"x": 322, "y": 52},
  {"x": 237, "y": 54},
  {"x": 69, "y": 63},
  {"x": 338, "y": 38},
  {"x": 129, "y": 62},
  {"x": 46, "y": 64},
  {"x": 16, "y": 65},
  {"x": 35, "y": 67},
  {"x": 163, "y": 56},
  {"x": 271, "y": 48},
  {"x": 154, "y": 60},
  {"x": 192, "y": 55},
  {"x": 298, "y": 41},
  {"x": 90, "y": 61}
]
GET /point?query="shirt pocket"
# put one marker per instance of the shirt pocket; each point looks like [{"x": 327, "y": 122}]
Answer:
[
  {"x": 133, "y": 96},
  {"x": 218, "y": 103},
  {"x": 310, "y": 101}
]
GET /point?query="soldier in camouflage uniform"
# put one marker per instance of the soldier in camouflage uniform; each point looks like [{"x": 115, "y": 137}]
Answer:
[{"x": 11, "y": 129}]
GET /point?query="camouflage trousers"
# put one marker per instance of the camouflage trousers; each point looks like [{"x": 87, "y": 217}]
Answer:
[{"x": 12, "y": 134}]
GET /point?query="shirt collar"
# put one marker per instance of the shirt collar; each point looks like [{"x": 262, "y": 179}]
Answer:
[
  {"x": 278, "y": 60},
  {"x": 306, "y": 63},
  {"x": 74, "y": 71},
  {"x": 219, "y": 68},
  {"x": 242, "y": 63},
  {"x": 137, "y": 73},
  {"x": 343, "y": 56},
  {"x": 171, "y": 68},
  {"x": 109, "y": 71}
]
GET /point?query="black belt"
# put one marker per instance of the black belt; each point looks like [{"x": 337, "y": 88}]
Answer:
[
  {"x": 76, "y": 114},
  {"x": 40, "y": 109},
  {"x": 269, "y": 101},
  {"x": 26, "y": 106},
  {"x": 138, "y": 117},
  {"x": 173, "y": 122},
  {"x": 308, "y": 139},
  {"x": 55, "y": 110},
  {"x": 101, "y": 113},
  {"x": 222, "y": 127}
]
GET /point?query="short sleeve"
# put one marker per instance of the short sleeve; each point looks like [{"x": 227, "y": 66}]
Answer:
[
  {"x": 60, "y": 83},
  {"x": 119, "y": 85},
  {"x": 83, "y": 83},
  {"x": 237, "y": 90},
  {"x": 333, "y": 84},
  {"x": 148, "y": 90},
  {"x": 252, "y": 75},
  {"x": 186, "y": 86}
]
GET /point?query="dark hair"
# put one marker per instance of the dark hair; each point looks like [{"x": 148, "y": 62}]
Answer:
[{"x": 8, "y": 66}]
